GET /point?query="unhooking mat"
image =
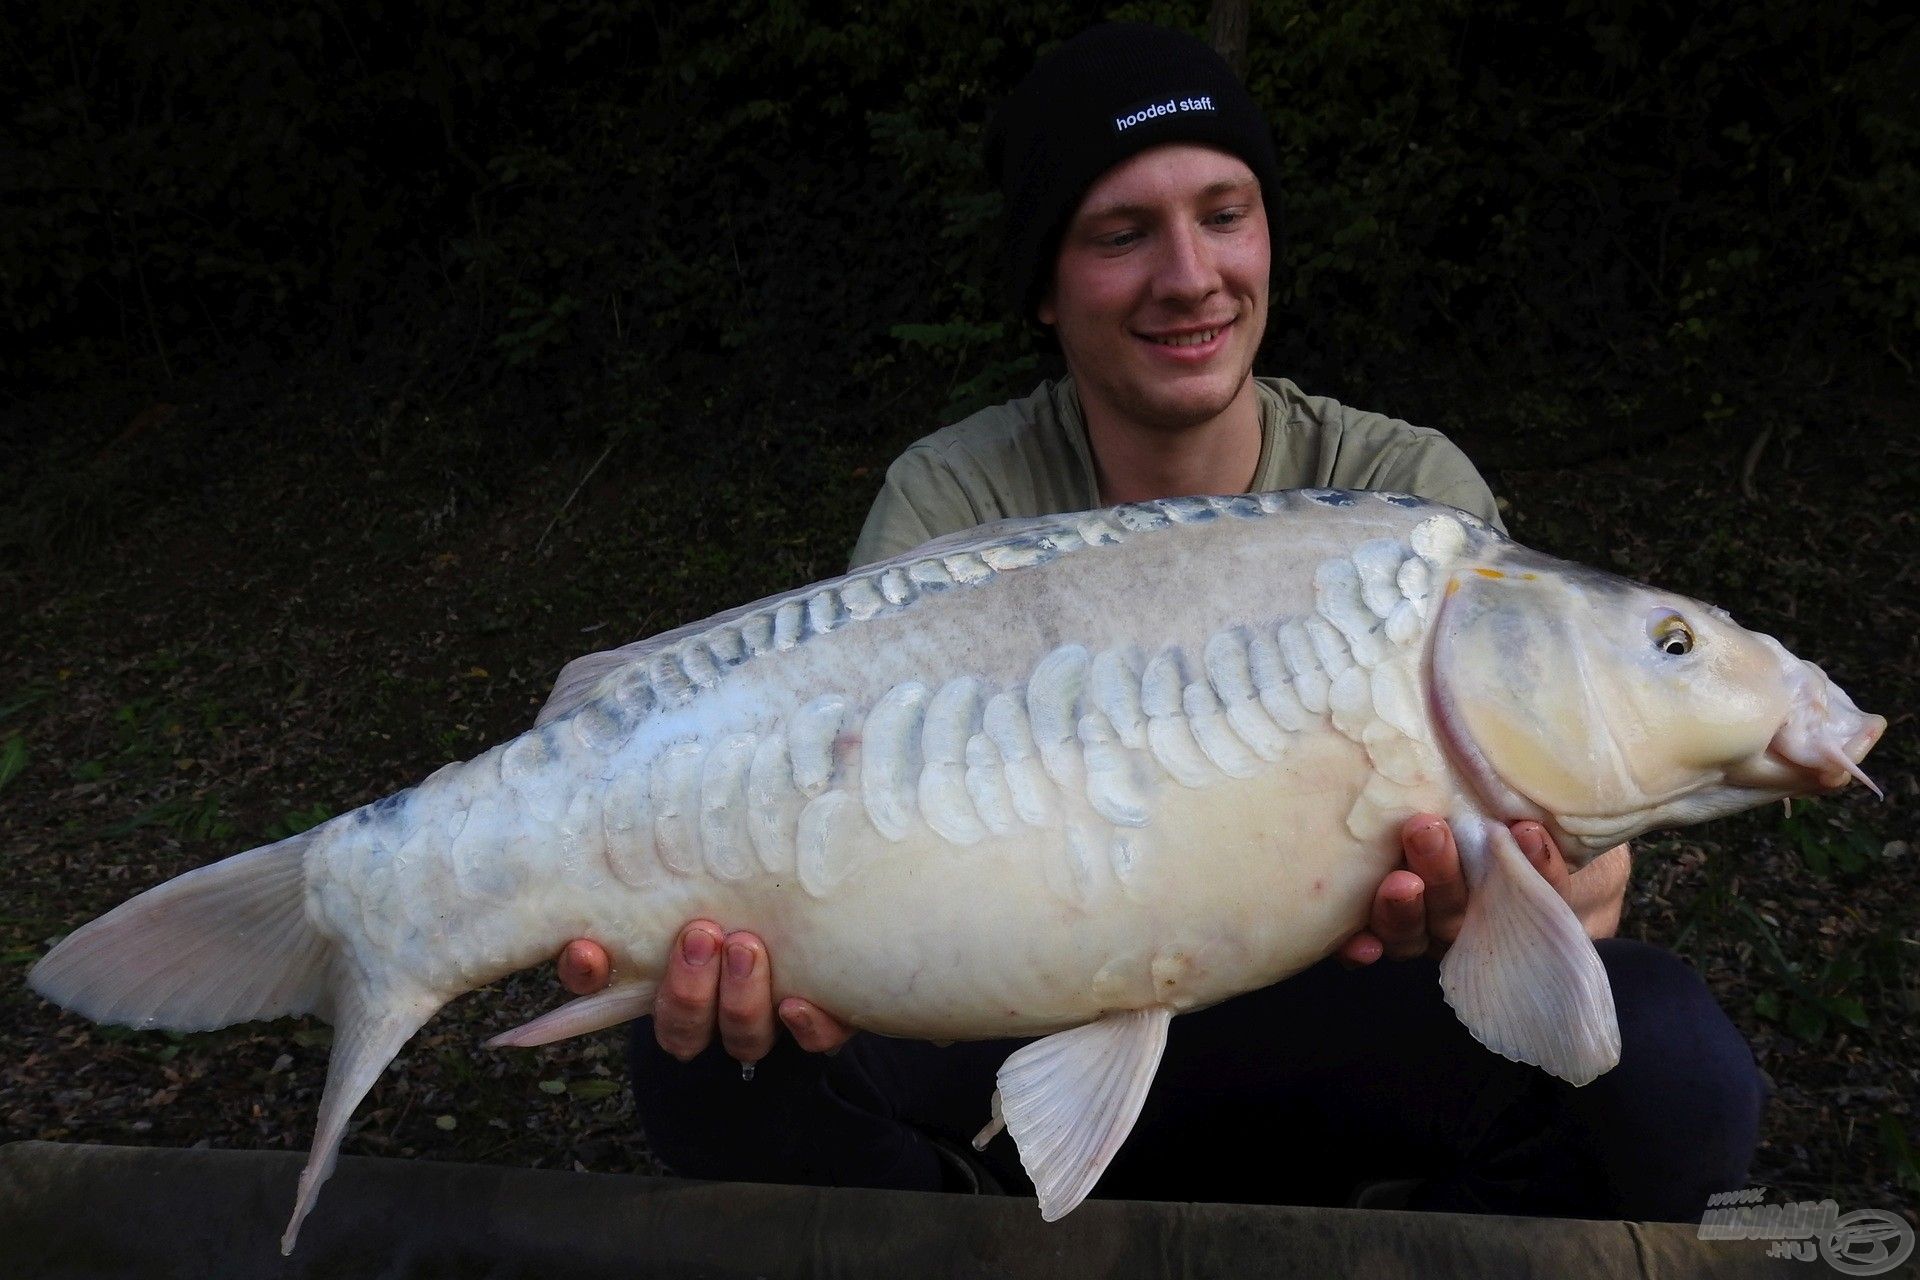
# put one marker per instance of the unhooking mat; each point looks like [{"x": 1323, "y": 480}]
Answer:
[{"x": 142, "y": 1212}]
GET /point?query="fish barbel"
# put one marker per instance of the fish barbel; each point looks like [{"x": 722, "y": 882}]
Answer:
[{"x": 1062, "y": 777}]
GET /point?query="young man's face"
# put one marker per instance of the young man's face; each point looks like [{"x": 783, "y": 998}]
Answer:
[{"x": 1159, "y": 294}]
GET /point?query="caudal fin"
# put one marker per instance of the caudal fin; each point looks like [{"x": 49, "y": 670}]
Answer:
[
  {"x": 226, "y": 943},
  {"x": 229, "y": 943}
]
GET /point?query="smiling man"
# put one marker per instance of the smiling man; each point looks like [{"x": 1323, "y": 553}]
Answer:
[{"x": 1141, "y": 192}]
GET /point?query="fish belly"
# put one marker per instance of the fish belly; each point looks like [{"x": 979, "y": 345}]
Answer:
[{"x": 1226, "y": 890}]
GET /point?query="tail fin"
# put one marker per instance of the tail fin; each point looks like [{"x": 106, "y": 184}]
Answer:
[
  {"x": 223, "y": 944},
  {"x": 228, "y": 943}
]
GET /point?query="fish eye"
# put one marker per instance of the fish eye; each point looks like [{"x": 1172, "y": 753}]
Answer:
[{"x": 1670, "y": 633}]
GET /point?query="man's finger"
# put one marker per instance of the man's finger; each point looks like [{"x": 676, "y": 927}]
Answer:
[
  {"x": 813, "y": 1028},
  {"x": 1362, "y": 949},
  {"x": 1543, "y": 854},
  {"x": 683, "y": 1011},
  {"x": 1400, "y": 916},
  {"x": 746, "y": 999},
  {"x": 584, "y": 967},
  {"x": 1431, "y": 854}
]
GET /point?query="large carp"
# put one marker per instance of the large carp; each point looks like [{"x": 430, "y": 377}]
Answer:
[{"x": 1064, "y": 777}]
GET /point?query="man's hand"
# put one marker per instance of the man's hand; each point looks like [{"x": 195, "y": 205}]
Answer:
[
  {"x": 715, "y": 980},
  {"x": 1418, "y": 908}
]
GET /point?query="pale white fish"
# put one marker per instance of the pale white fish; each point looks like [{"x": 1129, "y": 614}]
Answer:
[{"x": 1062, "y": 777}]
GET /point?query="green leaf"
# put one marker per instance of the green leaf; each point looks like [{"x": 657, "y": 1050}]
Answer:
[
  {"x": 13, "y": 758},
  {"x": 1815, "y": 852},
  {"x": 593, "y": 1090},
  {"x": 1807, "y": 1022},
  {"x": 1893, "y": 1141},
  {"x": 953, "y": 336},
  {"x": 1767, "y": 1005},
  {"x": 447, "y": 1123},
  {"x": 1847, "y": 1009},
  {"x": 298, "y": 820},
  {"x": 1855, "y": 853},
  {"x": 553, "y": 1086}
]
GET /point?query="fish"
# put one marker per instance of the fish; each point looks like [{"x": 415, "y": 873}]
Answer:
[{"x": 1063, "y": 777}]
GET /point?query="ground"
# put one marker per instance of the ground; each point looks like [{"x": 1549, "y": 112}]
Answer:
[{"x": 247, "y": 604}]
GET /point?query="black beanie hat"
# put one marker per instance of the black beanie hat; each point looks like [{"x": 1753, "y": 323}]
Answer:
[{"x": 1104, "y": 96}]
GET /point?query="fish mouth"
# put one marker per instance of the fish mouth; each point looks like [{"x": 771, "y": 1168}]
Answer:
[
  {"x": 1796, "y": 758},
  {"x": 1821, "y": 742}
]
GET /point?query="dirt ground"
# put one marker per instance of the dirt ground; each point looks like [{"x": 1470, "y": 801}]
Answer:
[{"x": 247, "y": 608}]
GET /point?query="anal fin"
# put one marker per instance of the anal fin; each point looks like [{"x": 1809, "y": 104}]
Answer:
[
  {"x": 1523, "y": 975},
  {"x": 367, "y": 1033},
  {"x": 1071, "y": 1099}
]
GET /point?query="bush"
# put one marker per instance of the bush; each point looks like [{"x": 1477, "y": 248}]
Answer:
[{"x": 618, "y": 205}]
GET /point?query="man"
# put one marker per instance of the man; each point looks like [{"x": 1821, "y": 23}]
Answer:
[{"x": 1139, "y": 179}]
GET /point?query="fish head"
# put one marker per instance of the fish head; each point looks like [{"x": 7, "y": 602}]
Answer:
[{"x": 1604, "y": 708}]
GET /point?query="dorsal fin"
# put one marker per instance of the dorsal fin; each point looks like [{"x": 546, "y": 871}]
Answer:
[{"x": 581, "y": 680}]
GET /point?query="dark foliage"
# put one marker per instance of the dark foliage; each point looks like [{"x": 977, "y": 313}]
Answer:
[{"x": 622, "y": 199}]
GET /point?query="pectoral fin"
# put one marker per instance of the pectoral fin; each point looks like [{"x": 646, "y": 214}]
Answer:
[
  {"x": 1523, "y": 975},
  {"x": 1071, "y": 1099}
]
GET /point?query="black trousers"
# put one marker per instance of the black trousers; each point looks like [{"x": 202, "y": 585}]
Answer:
[{"x": 1295, "y": 1094}]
